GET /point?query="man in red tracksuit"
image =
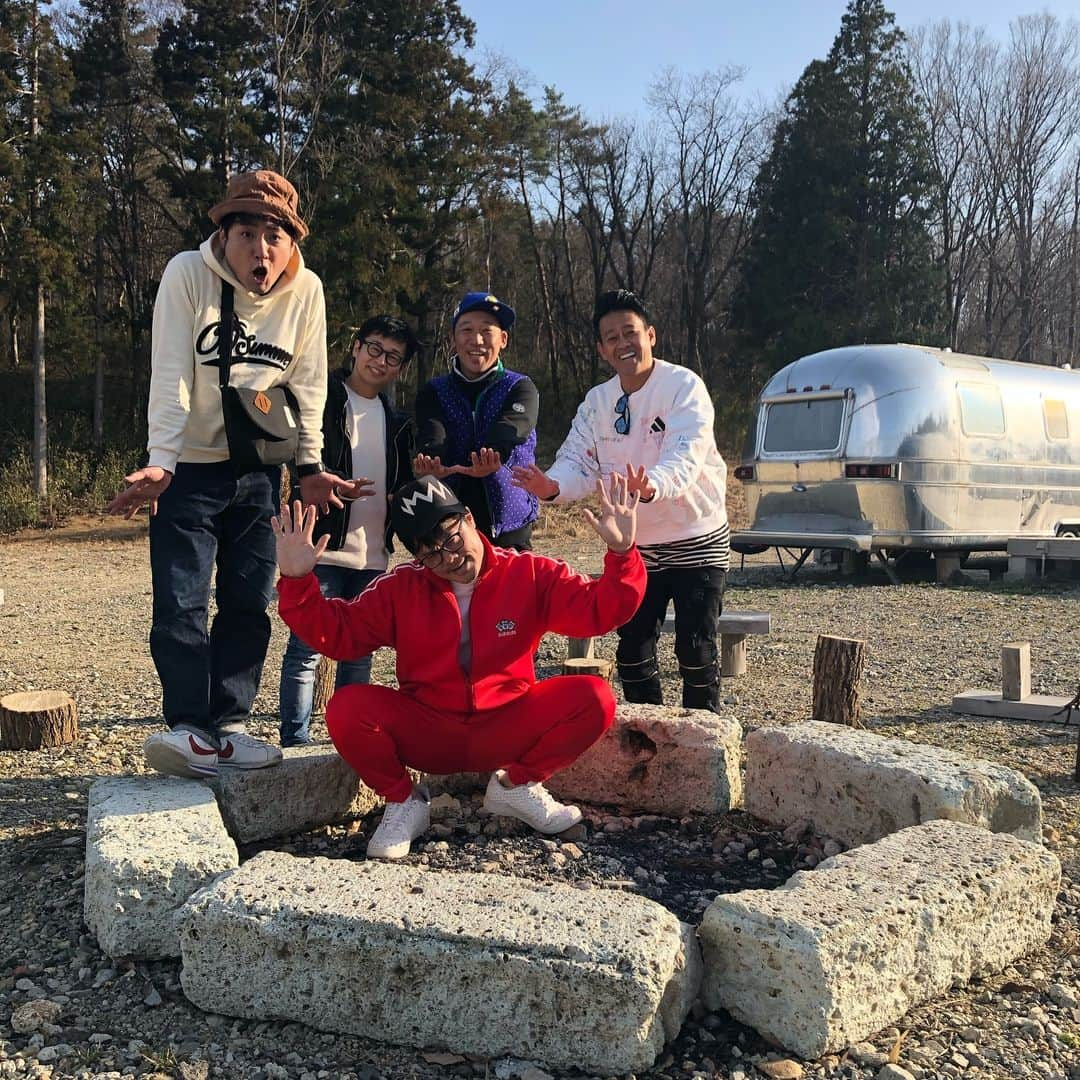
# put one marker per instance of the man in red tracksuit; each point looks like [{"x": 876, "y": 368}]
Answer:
[{"x": 465, "y": 618}]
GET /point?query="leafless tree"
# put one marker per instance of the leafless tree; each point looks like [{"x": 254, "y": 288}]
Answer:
[
  {"x": 945, "y": 60},
  {"x": 715, "y": 146},
  {"x": 1028, "y": 118}
]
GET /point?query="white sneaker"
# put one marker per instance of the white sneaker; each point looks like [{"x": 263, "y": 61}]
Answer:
[
  {"x": 239, "y": 751},
  {"x": 402, "y": 823},
  {"x": 531, "y": 803},
  {"x": 181, "y": 753}
]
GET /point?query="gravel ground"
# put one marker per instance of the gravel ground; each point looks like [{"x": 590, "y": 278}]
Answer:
[{"x": 76, "y": 617}]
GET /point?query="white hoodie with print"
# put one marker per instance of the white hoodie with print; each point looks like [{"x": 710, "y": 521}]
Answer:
[{"x": 282, "y": 342}]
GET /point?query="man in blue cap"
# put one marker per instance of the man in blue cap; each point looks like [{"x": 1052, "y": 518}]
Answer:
[{"x": 476, "y": 423}]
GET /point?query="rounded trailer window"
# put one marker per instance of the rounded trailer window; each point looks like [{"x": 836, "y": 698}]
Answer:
[
  {"x": 981, "y": 410},
  {"x": 804, "y": 425}
]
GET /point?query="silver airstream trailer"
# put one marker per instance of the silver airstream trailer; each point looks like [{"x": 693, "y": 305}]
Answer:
[{"x": 891, "y": 448}]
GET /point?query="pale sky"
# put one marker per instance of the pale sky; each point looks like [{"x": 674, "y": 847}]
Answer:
[{"x": 603, "y": 54}]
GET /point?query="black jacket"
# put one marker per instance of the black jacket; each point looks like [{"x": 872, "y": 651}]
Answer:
[{"x": 337, "y": 456}]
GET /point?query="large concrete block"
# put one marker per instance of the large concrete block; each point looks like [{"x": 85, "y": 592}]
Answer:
[
  {"x": 659, "y": 760},
  {"x": 475, "y": 963},
  {"x": 842, "y": 951},
  {"x": 311, "y": 787},
  {"x": 150, "y": 843},
  {"x": 858, "y": 787}
]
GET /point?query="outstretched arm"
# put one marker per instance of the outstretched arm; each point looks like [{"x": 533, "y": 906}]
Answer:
[{"x": 579, "y": 607}]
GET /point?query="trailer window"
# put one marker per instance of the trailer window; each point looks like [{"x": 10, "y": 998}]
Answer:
[
  {"x": 801, "y": 426},
  {"x": 1057, "y": 421},
  {"x": 981, "y": 411}
]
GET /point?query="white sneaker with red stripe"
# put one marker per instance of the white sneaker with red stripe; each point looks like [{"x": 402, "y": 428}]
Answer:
[
  {"x": 239, "y": 751},
  {"x": 181, "y": 753},
  {"x": 531, "y": 803}
]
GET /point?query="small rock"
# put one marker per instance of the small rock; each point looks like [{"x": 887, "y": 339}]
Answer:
[
  {"x": 784, "y": 1069},
  {"x": 797, "y": 830},
  {"x": 1062, "y": 995},
  {"x": 445, "y": 804},
  {"x": 831, "y": 848},
  {"x": 153, "y": 999},
  {"x": 34, "y": 1016},
  {"x": 893, "y": 1072},
  {"x": 572, "y": 851},
  {"x": 868, "y": 1055}
]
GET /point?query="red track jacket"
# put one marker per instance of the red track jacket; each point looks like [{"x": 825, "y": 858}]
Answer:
[{"x": 519, "y": 597}]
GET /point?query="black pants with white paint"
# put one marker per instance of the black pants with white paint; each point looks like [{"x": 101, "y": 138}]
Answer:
[{"x": 698, "y": 595}]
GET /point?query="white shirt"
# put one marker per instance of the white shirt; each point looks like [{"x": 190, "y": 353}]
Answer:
[
  {"x": 365, "y": 540},
  {"x": 671, "y": 434},
  {"x": 463, "y": 593}
]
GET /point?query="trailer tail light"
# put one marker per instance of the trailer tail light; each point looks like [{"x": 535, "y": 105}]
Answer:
[
  {"x": 855, "y": 471},
  {"x": 744, "y": 472}
]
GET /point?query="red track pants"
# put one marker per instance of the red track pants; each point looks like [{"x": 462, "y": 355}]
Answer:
[{"x": 379, "y": 731}]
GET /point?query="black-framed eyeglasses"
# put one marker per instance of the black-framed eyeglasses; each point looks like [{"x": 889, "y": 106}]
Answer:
[
  {"x": 622, "y": 420},
  {"x": 451, "y": 545},
  {"x": 375, "y": 350}
]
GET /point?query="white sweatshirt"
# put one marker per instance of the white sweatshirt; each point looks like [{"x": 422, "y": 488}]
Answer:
[
  {"x": 282, "y": 342},
  {"x": 671, "y": 434}
]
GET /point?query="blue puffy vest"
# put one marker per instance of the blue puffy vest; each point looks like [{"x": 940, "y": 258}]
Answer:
[{"x": 466, "y": 430}]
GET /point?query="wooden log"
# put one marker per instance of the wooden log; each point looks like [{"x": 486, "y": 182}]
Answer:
[
  {"x": 732, "y": 655},
  {"x": 583, "y": 648},
  {"x": 1016, "y": 671},
  {"x": 37, "y": 719},
  {"x": 325, "y": 676},
  {"x": 838, "y": 666},
  {"x": 588, "y": 665}
]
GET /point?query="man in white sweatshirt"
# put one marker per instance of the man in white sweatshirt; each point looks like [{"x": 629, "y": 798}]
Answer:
[
  {"x": 205, "y": 517},
  {"x": 653, "y": 421}
]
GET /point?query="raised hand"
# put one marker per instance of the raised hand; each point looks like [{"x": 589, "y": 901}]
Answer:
[
  {"x": 359, "y": 488},
  {"x": 423, "y": 465},
  {"x": 638, "y": 480},
  {"x": 296, "y": 553},
  {"x": 617, "y": 523},
  {"x": 146, "y": 486},
  {"x": 483, "y": 464},
  {"x": 534, "y": 480}
]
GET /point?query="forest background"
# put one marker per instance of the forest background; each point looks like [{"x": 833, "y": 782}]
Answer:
[{"x": 918, "y": 184}]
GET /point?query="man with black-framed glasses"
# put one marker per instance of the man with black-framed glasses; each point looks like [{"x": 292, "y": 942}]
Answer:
[
  {"x": 364, "y": 437},
  {"x": 653, "y": 423},
  {"x": 465, "y": 618}
]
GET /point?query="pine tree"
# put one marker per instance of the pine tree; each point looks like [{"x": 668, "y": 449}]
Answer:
[
  {"x": 212, "y": 62},
  {"x": 841, "y": 250}
]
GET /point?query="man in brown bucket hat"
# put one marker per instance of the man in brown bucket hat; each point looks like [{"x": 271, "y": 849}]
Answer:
[{"x": 207, "y": 514}]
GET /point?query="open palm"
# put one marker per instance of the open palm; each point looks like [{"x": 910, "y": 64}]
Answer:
[{"x": 616, "y": 524}]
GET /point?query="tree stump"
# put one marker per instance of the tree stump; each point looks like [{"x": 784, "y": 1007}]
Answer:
[
  {"x": 838, "y": 666},
  {"x": 37, "y": 719},
  {"x": 325, "y": 675},
  {"x": 580, "y": 648},
  {"x": 588, "y": 665}
]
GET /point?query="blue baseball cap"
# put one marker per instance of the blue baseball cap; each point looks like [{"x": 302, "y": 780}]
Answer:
[{"x": 481, "y": 301}]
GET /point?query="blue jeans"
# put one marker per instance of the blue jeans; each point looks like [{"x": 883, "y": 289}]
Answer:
[
  {"x": 209, "y": 520},
  {"x": 300, "y": 661}
]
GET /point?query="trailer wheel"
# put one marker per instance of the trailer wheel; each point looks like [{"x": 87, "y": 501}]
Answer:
[{"x": 1069, "y": 532}]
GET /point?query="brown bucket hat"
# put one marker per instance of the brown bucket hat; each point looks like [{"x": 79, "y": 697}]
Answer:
[{"x": 261, "y": 192}]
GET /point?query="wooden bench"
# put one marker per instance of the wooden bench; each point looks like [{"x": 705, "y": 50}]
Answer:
[{"x": 732, "y": 626}]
